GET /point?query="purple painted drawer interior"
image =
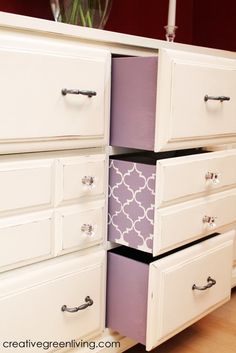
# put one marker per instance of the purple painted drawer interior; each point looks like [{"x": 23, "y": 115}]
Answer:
[
  {"x": 127, "y": 291},
  {"x": 131, "y": 204},
  {"x": 133, "y": 102}
]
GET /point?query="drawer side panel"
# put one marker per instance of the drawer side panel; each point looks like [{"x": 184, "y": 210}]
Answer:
[
  {"x": 131, "y": 204},
  {"x": 127, "y": 289},
  {"x": 133, "y": 105}
]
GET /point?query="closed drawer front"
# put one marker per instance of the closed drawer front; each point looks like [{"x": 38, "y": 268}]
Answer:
[
  {"x": 179, "y": 224},
  {"x": 45, "y": 180},
  {"x": 173, "y": 176},
  {"x": 178, "y": 100},
  {"x": 25, "y": 239},
  {"x": 41, "y": 110},
  {"x": 37, "y": 295},
  {"x": 34, "y": 222},
  {"x": 81, "y": 226},
  {"x": 169, "y": 294},
  {"x": 194, "y": 174},
  {"x": 81, "y": 176},
  {"x": 25, "y": 184},
  {"x": 197, "y": 103}
]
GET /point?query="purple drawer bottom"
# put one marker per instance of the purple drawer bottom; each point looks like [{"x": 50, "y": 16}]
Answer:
[{"x": 127, "y": 290}]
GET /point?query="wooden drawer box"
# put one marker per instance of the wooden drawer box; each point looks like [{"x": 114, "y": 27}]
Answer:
[
  {"x": 32, "y": 300},
  {"x": 150, "y": 300},
  {"x": 168, "y": 102},
  {"x": 137, "y": 191}
]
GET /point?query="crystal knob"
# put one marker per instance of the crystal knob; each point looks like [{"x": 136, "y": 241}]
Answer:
[
  {"x": 87, "y": 229},
  {"x": 212, "y": 177},
  {"x": 210, "y": 221},
  {"x": 88, "y": 181}
]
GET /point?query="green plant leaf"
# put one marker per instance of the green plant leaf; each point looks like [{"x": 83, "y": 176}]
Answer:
[
  {"x": 74, "y": 11},
  {"x": 82, "y": 17},
  {"x": 62, "y": 10}
]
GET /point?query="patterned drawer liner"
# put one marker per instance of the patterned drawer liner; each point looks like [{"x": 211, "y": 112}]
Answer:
[{"x": 131, "y": 204}]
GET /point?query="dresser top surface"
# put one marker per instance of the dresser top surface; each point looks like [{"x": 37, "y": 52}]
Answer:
[{"x": 110, "y": 40}]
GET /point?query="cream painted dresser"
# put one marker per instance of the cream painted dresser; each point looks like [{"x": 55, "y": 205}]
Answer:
[{"x": 172, "y": 106}]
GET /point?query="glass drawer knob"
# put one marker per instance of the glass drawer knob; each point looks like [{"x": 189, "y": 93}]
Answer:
[
  {"x": 209, "y": 221},
  {"x": 87, "y": 229},
  {"x": 212, "y": 177},
  {"x": 88, "y": 181}
]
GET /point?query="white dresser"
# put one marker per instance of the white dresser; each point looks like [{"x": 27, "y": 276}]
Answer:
[
  {"x": 55, "y": 100},
  {"x": 166, "y": 198}
]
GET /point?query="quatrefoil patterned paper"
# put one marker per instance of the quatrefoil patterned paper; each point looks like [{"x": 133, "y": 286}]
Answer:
[{"x": 131, "y": 204}]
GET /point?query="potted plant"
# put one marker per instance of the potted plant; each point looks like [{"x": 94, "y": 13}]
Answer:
[{"x": 88, "y": 13}]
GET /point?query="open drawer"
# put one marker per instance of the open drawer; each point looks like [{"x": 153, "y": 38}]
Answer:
[
  {"x": 173, "y": 101},
  {"x": 153, "y": 197},
  {"x": 150, "y": 300}
]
